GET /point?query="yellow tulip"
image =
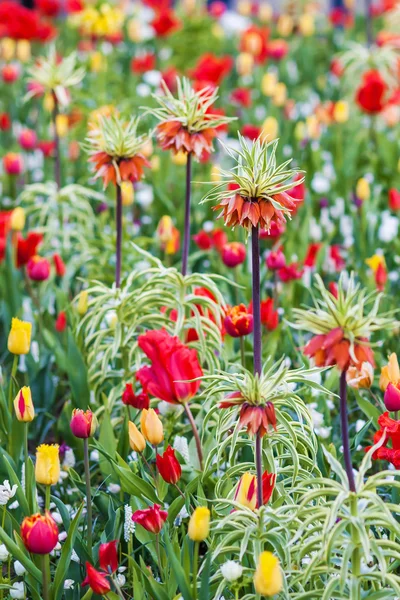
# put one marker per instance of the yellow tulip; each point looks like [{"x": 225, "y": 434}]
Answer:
[
  {"x": 300, "y": 131},
  {"x": 341, "y": 111},
  {"x": 134, "y": 30},
  {"x": 7, "y": 48},
  {"x": 97, "y": 62},
  {"x": 180, "y": 158},
  {"x": 390, "y": 373},
  {"x": 151, "y": 426},
  {"x": 136, "y": 439},
  {"x": 375, "y": 261},
  {"x": 62, "y": 125},
  {"x": 285, "y": 25},
  {"x": 307, "y": 25},
  {"x": 19, "y": 338},
  {"x": 48, "y": 102},
  {"x": 47, "y": 468},
  {"x": 268, "y": 84},
  {"x": 217, "y": 31},
  {"x": 362, "y": 189},
  {"x": 215, "y": 173},
  {"x": 270, "y": 129},
  {"x": 82, "y": 303},
  {"x": 280, "y": 94},
  {"x": 244, "y": 63},
  {"x": 313, "y": 127},
  {"x": 17, "y": 219},
  {"x": 199, "y": 524},
  {"x": 268, "y": 577},
  {"x": 244, "y": 8},
  {"x": 23, "y": 405},
  {"x": 155, "y": 163},
  {"x": 24, "y": 50},
  {"x": 265, "y": 13},
  {"x": 127, "y": 193},
  {"x": 246, "y": 491}
]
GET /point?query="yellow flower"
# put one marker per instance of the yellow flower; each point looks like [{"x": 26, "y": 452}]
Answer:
[
  {"x": 180, "y": 158},
  {"x": 362, "y": 189},
  {"x": 244, "y": 8},
  {"x": 268, "y": 576},
  {"x": 390, "y": 373},
  {"x": 300, "y": 130},
  {"x": 341, "y": 111},
  {"x": 62, "y": 125},
  {"x": 375, "y": 261},
  {"x": 151, "y": 426},
  {"x": 136, "y": 439},
  {"x": 134, "y": 30},
  {"x": 127, "y": 193},
  {"x": 279, "y": 95},
  {"x": 24, "y": 50},
  {"x": 199, "y": 524},
  {"x": 244, "y": 63},
  {"x": 307, "y": 25},
  {"x": 7, "y": 48},
  {"x": 155, "y": 163},
  {"x": 265, "y": 13},
  {"x": 313, "y": 127},
  {"x": 48, "y": 102},
  {"x": 17, "y": 219},
  {"x": 47, "y": 468},
  {"x": 23, "y": 405},
  {"x": 215, "y": 173},
  {"x": 97, "y": 62},
  {"x": 246, "y": 491},
  {"x": 82, "y": 303},
  {"x": 19, "y": 338},
  {"x": 270, "y": 129},
  {"x": 285, "y": 25},
  {"x": 268, "y": 84}
]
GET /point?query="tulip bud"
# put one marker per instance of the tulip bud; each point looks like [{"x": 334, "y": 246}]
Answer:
[
  {"x": 394, "y": 199},
  {"x": 238, "y": 322},
  {"x": 83, "y": 424},
  {"x": 151, "y": 426},
  {"x": 265, "y": 13},
  {"x": 244, "y": 8},
  {"x": 390, "y": 373},
  {"x": 280, "y": 94},
  {"x": 268, "y": 576},
  {"x": 168, "y": 466},
  {"x": 27, "y": 139},
  {"x": 97, "y": 63},
  {"x": 341, "y": 111},
  {"x": 306, "y": 25},
  {"x": 62, "y": 125},
  {"x": 392, "y": 397},
  {"x": 24, "y": 50},
  {"x": 19, "y": 338},
  {"x": 300, "y": 131},
  {"x": 108, "y": 556},
  {"x": 23, "y": 405},
  {"x": 246, "y": 491},
  {"x": 10, "y": 73},
  {"x": 233, "y": 254},
  {"x": 155, "y": 163},
  {"x": 268, "y": 84},
  {"x": 47, "y": 468},
  {"x": 270, "y": 129},
  {"x": 61, "y": 322},
  {"x": 136, "y": 439},
  {"x": 7, "y": 48},
  {"x": 275, "y": 260},
  {"x": 48, "y": 102},
  {"x": 152, "y": 518},
  {"x": 17, "y": 221},
  {"x": 215, "y": 173},
  {"x": 134, "y": 30},
  {"x": 82, "y": 303},
  {"x": 285, "y": 25},
  {"x": 59, "y": 265},
  {"x": 244, "y": 63},
  {"x": 38, "y": 268},
  {"x": 13, "y": 164},
  {"x": 39, "y": 533},
  {"x": 362, "y": 189},
  {"x": 199, "y": 524},
  {"x": 127, "y": 193}
]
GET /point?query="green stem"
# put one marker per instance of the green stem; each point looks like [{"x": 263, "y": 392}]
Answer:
[
  {"x": 195, "y": 433},
  {"x": 88, "y": 495},
  {"x": 356, "y": 557},
  {"x": 158, "y": 553},
  {"x": 10, "y": 389},
  {"x": 46, "y": 576},
  {"x": 47, "y": 496},
  {"x": 195, "y": 568},
  {"x": 242, "y": 352}
]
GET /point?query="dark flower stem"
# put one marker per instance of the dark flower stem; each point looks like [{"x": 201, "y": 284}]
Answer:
[
  {"x": 195, "y": 433},
  {"x": 88, "y": 495},
  {"x": 257, "y": 363},
  {"x": 57, "y": 158},
  {"x": 118, "y": 250},
  {"x": 186, "y": 232},
  {"x": 368, "y": 22},
  {"x": 345, "y": 431}
]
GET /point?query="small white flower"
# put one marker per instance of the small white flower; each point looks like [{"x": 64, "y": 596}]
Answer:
[
  {"x": 166, "y": 408},
  {"x": 69, "y": 459},
  {"x": 121, "y": 579},
  {"x": 129, "y": 525},
  {"x": 69, "y": 584},
  {"x": 231, "y": 570},
  {"x": 19, "y": 568},
  {"x": 7, "y": 492},
  {"x": 114, "y": 488},
  {"x": 75, "y": 557},
  {"x": 181, "y": 446},
  {"x": 94, "y": 456},
  {"x": 18, "y": 591},
  {"x": 3, "y": 553}
]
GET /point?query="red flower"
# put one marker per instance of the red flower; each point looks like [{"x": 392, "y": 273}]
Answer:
[
  {"x": 394, "y": 199},
  {"x": 168, "y": 466},
  {"x": 257, "y": 419},
  {"x": 277, "y": 49},
  {"x": 165, "y": 22},
  {"x": 59, "y": 265},
  {"x": 171, "y": 135},
  {"x": 252, "y": 132},
  {"x": 61, "y": 322},
  {"x": 27, "y": 247},
  {"x": 381, "y": 277},
  {"x": 336, "y": 257},
  {"x": 219, "y": 238},
  {"x": 297, "y": 192},
  {"x": 108, "y": 557},
  {"x": 254, "y": 41},
  {"x": 392, "y": 429},
  {"x": 269, "y": 316},
  {"x": 13, "y": 163},
  {"x": 129, "y": 398},
  {"x": 20, "y": 23},
  {"x": 275, "y": 260},
  {"x": 311, "y": 256},
  {"x": 5, "y": 121},
  {"x": 10, "y": 73},
  {"x": 203, "y": 240},
  {"x": 370, "y": 95},
  {"x": 49, "y": 8},
  {"x": 268, "y": 484},
  {"x": 290, "y": 273},
  {"x": 173, "y": 365},
  {"x": 333, "y": 349},
  {"x": 39, "y": 533},
  {"x": 38, "y": 268},
  {"x": 83, "y": 423},
  {"x": 143, "y": 63},
  {"x": 151, "y": 518},
  {"x": 210, "y": 69},
  {"x": 274, "y": 232},
  {"x": 392, "y": 397},
  {"x": 333, "y": 288},
  {"x": 96, "y": 580},
  {"x": 233, "y": 254},
  {"x": 47, "y": 148},
  {"x": 242, "y": 97},
  {"x": 239, "y": 321},
  {"x": 169, "y": 76},
  {"x": 27, "y": 139}
]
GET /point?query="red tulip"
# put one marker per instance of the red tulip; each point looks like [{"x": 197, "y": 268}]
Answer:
[
  {"x": 252, "y": 132},
  {"x": 96, "y": 580},
  {"x": 39, "y": 533},
  {"x": 394, "y": 199},
  {"x": 151, "y": 518},
  {"x": 242, "y": 97},
  {"x": 27, "y": 247},
  {"x": 27, "y": 139},
  {"x": 370, "y": 95},
  {"x": 173, "y": 365},
  {"x": 129, "y": 398},
  {"x": 10, "y": 73},
  {"x": 38, "y": 268},
  {"x": 59, "y": 265},
  {"x": 143, "y": 63},
  {"x": 203, "y": 240},
  {"x": 13, "y": 164},
  {"x": 211, "y": 69},
  {"x": 269, "y": 316},
  {"x": 61, "y": 322},
  {"x": 289, "y": 273},
  {"x": 165, "y": 23},
  {"x": 275, "y": 260},
  {"x": 5, "y": 121},
  {"x": 233, "y": 254},
  {"x": 239, "y": 321},
  {"x": 219, "y": 238},
  {"x": 381, "y": 277},
  {"x": 168, "y": 466},
  {"x": 83, "y": 423},
  {"x": 108, "y": 557},
  {"x": 311, "y": 256}
]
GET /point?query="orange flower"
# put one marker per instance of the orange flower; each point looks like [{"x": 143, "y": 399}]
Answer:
[
  {"x": 172, "y": 135},
  {"x": 130, "y": 169}
]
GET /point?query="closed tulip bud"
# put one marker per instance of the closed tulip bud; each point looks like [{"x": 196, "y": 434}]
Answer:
[
  {"x": 24, "y": 50},
  {"x": 246, "y": 491},
  {"x": 341, "y": 111},
  {"x": 13, "y": 163},
  {"x": 134, "y": 30},
  {"x": 38, "y": 268},
  {"x": 244, "y": 8},
  {"x": 62, "y": 125},
  {"x": 265, "y": 13},
  {"x": 313, "y": 127},
  {"x": 280, "y": 94},
  {"x": 307, "y": 25},
  {"x": 362, "y": 189},
  {"x": 10, "y": 73},
  {"x": 136, "y": 439},
  {"x": 155, "y": 163},
  {"x": 17, "y": 221},
  {"x": 27, "y": 139},
  {"x": 392, "y": 397},
  {"x": 199, "y": 524},
  {"x": 39, "y": 533},
  {"x": 82, "y": 306},
  {"x": 179, "y": 159},
  {"x": 108, "y": 556},
  {"x": 61, "y": 322},
  {"x": 233, "y": 254},
  {"x": 23, "y": 405},
  {"x": 168, "y": 466},
  {"x": 285, "y": 25},
  {"x": 48, "y": 102},
  {"x": 19, "y": 338},
  {"x": 238, "y": 322},
  {"x": 268, "y": 84},
  {"x": 83, "y": 423},
  {"x": 151, "y": 426},
  {"x": 47, "y": 468},
  {"x": 275, "y": 260},
  {"x": 147, "y": 148},
  {"x": 244, "y": 63},
  {"x": 127, "y": 193},
  {"x": 8, "y": 48},
  {"x": 59, "y": 265},
  {"x": 270, "y": 129},
  {"x": 268, "y": 577}
]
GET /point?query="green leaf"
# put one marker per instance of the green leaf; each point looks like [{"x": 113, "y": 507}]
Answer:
[
  {"x": 65, "y": 558},
  {"x": 368, "y": 409},
  {"x": 181, "y": 577},
  {"x": 205, "y": 578},
  {"x": 20, "y": 496},
  {"x": 108, "y": 442},
  {"x": 18, "y": 554},
  {"x": 77, "y": 374}
]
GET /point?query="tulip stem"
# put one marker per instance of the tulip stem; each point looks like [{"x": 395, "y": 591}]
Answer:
[
  {"x": 46, "y": 496},
  {"x": 195, "y": 568},
  {"x": 88, "y": 495},
  {"x": 10, "y": 397},
  {"x": 195, "y": 433},
  {"x": 345, "y": 431},
  {"x": 118, "y": 251},
  {"x": 158, "y": 553},
  {"x": 57, "y": 162},
  {"x": 257, "y": 360},
  {"x": 186, "y": 231},
  {"x": 46, "y": 575}
]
